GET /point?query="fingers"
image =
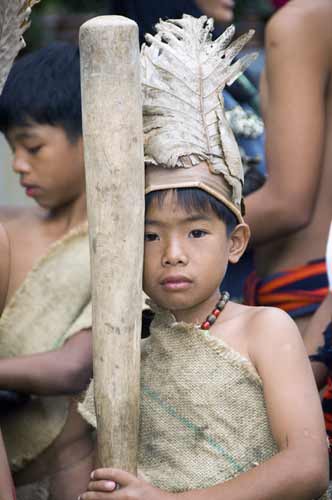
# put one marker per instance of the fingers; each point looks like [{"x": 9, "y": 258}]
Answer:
[
  {"x": 103, "y": 485},
  {"x": 121, "y": 477},
  {"x": 107, "y": 481},
  {"x": 97, "y": 491},
  {"x": 95, "y": 495}
]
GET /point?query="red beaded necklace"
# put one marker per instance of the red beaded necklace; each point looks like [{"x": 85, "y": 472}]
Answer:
[{"x": 206, "y": 325}]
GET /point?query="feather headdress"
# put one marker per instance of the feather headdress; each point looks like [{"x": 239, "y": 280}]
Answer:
[
  {"x": 14, "y": 20},
  {"x": 183, "y": 75}
]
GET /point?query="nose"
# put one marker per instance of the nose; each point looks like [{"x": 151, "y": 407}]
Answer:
[
  {"x": 174, "y": 254},
  {"x": 20, "y": 162}
]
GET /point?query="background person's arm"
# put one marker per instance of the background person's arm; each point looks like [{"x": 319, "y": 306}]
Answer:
[
  {"x": 67, "y": 370},
  {"x": 296, "y": 76}
]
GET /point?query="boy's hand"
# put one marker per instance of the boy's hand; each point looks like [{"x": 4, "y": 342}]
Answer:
[{"x": 115, "y": 484}]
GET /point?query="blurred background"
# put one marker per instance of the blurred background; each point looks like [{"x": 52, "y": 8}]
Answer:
[{"x": 61, "y": 19}]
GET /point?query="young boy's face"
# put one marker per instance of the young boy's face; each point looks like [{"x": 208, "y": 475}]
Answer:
[
  {"x": 50, "y": 166},
  {"x": 186, "y": 256}
]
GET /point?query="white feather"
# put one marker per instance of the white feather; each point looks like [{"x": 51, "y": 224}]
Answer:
[
  {"x": 14, "y": 20},
  {"x": 183, "y": 75}
]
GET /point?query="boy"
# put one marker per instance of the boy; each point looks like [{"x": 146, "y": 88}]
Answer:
[
  {"x": 229, "y": 408},
  {"x": 45, "y": 343}
]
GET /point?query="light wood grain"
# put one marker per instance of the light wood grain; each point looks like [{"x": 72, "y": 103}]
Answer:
[{"x": 113, "y": 145}]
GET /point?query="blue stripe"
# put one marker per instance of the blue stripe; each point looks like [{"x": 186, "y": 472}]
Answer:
[
  {"x": 170, "y": 410},
  {"x": 303, "y": 311},
  {"x": 307, "y": 284}
]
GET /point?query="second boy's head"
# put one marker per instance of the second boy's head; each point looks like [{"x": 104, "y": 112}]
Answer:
[
  {"x": 40, "y": 115},
  {"x": 194, "y": 176}
]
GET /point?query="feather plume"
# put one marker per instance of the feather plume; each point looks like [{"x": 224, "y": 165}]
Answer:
[
  {"x": 183, "y": 75},
  {"x": 14, "y": 20}
]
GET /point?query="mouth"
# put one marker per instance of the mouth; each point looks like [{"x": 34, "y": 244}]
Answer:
[
  {"x": 30, "y": 189},
  {"x": 177, "y": 282}
]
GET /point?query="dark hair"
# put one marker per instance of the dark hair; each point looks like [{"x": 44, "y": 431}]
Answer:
[
  {"x": 44, "y": 87},
  {"x": 198, "y": 200}
]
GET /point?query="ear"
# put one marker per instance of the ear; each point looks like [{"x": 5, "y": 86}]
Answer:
[{"x": 238, "y": 242}]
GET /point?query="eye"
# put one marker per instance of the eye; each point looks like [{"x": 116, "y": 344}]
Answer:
[
  {"x": 197, "y": 233},
  {"x": 151, "y": 237},
  {"x": 34, "y": 150}
]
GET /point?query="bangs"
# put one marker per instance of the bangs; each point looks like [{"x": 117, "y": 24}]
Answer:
[{"x": 194, "y": 200}]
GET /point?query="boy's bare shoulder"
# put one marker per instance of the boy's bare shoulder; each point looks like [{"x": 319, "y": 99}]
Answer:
[
  {"x": 262, "y": 317},
  {"x": 255, "y": 322},
  {"x": 264, "y": 323},
  {"x": 269, "y": 328},
  {"x": 12, "y": 216},
  {"x": 8, "y": 213},
  {"x": 253, "y": 331}
]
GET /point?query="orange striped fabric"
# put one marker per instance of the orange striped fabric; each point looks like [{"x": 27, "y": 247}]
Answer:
[{"x": 298, "y": 291}]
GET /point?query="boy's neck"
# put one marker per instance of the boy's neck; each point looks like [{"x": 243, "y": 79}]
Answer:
[
  {"x": 199, "y": 313},
  {"x": 68, "y": 216}
]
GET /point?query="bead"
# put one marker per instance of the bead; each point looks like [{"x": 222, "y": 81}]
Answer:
[{"x": 211, "y": 319}]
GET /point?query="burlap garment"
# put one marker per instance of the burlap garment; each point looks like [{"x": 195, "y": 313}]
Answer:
[
  {"x": 203, "y": 415},
  {"x": 51, "y": 305}
]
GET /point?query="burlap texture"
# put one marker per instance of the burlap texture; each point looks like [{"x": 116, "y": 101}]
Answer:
[
  {"x": 52, "y": 304},
  {"x": 203, "y": 415}
]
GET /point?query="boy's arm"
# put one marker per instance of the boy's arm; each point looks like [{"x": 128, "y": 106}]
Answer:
[
  {"x": 296, "y": 73},
  {"x": 66, "y": 370},
  {"x": 300, "y": 469}
]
